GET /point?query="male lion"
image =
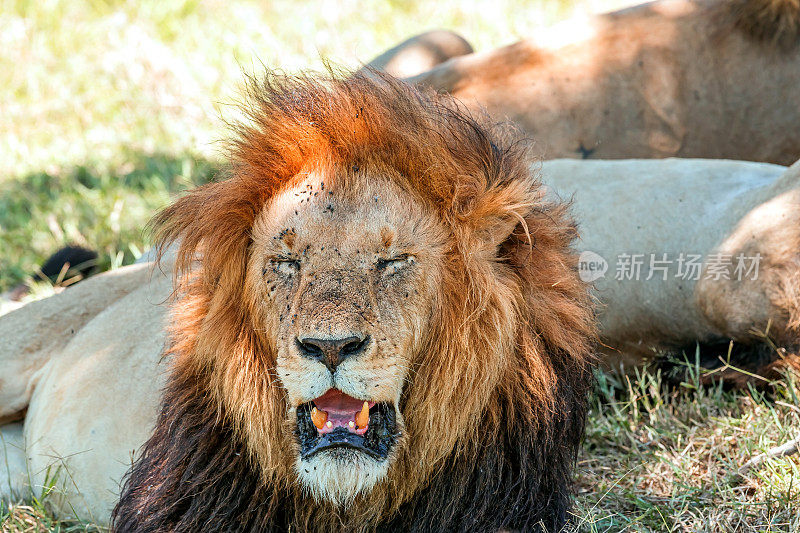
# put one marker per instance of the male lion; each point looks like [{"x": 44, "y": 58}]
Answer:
[
  {"x": 671, "y": 78},
  {"x": 378, "y": 323}
]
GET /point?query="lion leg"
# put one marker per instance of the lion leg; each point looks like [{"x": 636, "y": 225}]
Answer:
[
  {"x": 760, "y": 311},
  {"x": 13, "y": 466},
  {"x": 421, "y": 53}
]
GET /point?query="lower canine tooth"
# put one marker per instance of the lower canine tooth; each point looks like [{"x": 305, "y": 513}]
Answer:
[
  {"x": 319, "y": 417},
  {"x": 362, "y": 418}
]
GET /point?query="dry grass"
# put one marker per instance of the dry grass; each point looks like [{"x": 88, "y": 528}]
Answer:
[{"x": 667, "y": 459}]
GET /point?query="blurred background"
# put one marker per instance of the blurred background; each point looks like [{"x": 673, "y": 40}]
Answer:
[{"x": 107, "y": 108}]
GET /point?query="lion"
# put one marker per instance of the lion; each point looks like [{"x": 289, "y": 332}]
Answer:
[
  {"x": 711, "y": 261},
  {"x": 671, "y": 78},
  {"x": 377, "y": 322},
  {"x": 81, "y": 371}
]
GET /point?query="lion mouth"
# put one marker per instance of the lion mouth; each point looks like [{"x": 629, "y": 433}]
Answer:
[{"x": 336, "y": 420}]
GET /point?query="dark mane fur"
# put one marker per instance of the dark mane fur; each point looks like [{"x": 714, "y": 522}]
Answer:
[{"x": 771, "y": 21}]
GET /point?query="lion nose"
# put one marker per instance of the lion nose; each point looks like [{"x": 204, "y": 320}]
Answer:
[{"x": 332, "y": 352}]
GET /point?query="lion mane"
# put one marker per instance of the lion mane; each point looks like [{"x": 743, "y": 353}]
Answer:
[
  {"x": 495, "y": 408},
  {"x": 774, "y": 21}
]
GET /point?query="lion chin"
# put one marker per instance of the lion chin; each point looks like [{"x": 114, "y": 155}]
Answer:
[{"x": 338, "y": 475}]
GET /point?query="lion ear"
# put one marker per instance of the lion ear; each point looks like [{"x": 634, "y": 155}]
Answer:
[{"x": 503, "y": 229}]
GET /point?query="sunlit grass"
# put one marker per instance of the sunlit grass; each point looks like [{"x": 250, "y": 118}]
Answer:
[{"x": 32, "y": 513}]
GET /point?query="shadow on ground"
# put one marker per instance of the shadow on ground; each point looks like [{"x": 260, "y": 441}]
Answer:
[{"x": 99, "y": 206}]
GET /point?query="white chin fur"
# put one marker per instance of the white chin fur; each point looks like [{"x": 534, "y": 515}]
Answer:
[{"x": 339, "y": 475}]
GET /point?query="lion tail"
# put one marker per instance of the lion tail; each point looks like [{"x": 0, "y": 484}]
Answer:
[{"x": 776, "y": 21}]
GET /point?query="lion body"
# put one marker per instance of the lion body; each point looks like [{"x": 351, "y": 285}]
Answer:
[
  {"x": 85, "y": 365},
  {"x": 420, "y": 53},
  {"x": 712, "y": 208},
  {"x": 672, "y": 78}
]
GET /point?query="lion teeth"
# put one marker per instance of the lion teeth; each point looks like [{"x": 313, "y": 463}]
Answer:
[
  {"x": 319, "y": 418},
  {"x": 362, "y": 418}
]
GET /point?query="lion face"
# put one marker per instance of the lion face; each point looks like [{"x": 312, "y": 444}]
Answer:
[{"x": 346, "y": 282}]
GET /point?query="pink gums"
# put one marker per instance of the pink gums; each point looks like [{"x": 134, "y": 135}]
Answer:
[{"x": 341, "y": 409}]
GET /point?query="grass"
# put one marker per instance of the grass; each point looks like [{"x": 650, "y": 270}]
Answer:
[
  {"x": 101, "y": 208},
  {"x": 111, "y": 108},
  {"x": 33, "y": 515},
  {"x": 666, "y": 459}
]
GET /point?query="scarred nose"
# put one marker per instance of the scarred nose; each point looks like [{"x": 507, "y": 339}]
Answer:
[{"x": 332, "y": 352}]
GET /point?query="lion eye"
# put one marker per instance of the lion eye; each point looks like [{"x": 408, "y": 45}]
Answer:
[
  {"x": 284, "y": 265},
  {"x": 390, "y": 266}
]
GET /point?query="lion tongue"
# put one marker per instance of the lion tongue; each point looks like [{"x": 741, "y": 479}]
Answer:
[{"x": 343, "y": 411}]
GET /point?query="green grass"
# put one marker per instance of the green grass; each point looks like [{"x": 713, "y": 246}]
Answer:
[
  {"x": 32, "y": 515},
  {"x": 104, "y": 209},
  {"x": 666, "y": 459},
  {"x": 108, "y": 109}
]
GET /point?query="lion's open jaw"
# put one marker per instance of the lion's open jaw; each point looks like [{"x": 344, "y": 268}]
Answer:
[{"x": 336, "y": 420}]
